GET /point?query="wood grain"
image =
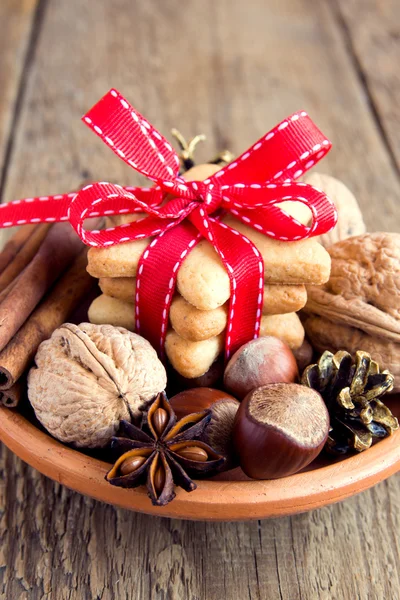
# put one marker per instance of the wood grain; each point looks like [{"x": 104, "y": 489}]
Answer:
[
  {"x": 231, "y": 70},
  {"x": 17, "y": 31},
  {"x": 372, "y": 29}
]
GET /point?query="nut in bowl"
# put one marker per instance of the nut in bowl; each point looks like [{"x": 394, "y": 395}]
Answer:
[{"x": 203, "y": 273}]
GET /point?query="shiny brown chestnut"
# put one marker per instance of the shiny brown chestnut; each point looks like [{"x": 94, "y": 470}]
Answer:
[
  {"x": 279, "y": 429},
  {"x": 223, "y": 408},
  {"x": 260, "y": 362}
]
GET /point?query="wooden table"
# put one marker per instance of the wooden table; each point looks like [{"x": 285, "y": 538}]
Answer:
[{"x": 231, "y": 70}]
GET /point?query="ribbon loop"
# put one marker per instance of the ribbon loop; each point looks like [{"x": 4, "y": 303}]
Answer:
[
  {"x": 132, "y": 138},
  {"x": 257, "y": 205},
  {"x": 284, "y": 153}
]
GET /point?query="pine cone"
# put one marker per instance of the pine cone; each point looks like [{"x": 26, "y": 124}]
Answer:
[{"x": 351, "y": 389}]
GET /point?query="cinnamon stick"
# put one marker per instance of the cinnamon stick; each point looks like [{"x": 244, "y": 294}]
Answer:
[
  {"x": 14, "y": 244},
  {"x": 11, "y": 398},
  {"x": 4, "y": 293},
  {"x": 24, "y": 255},
  {"x": 59, "y": 248},
  {"x": 64, "y": 297}
]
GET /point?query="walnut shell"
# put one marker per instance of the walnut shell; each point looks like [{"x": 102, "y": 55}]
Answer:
[
  {"x": 363, "y": 289},
  {"x": 359, "y": 308},
  {"x": 368, "y": 267},
  {"x": 350, "y": 221},
  {"x": 89, "y": 377}
]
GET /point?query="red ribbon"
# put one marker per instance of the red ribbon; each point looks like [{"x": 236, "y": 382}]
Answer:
[{"x": 249, "y": 188}]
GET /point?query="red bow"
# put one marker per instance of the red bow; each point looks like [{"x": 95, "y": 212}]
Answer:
[{"x": 249, "y": 188}]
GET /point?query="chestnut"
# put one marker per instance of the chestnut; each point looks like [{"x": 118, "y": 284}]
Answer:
[
  {"x": 260, "y": 362},
  {"x": 223, "y": 408},
  {"x": 279, "y": 429}
]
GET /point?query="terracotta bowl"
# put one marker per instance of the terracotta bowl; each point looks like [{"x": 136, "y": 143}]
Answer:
[{"x": 228, "y": 497}]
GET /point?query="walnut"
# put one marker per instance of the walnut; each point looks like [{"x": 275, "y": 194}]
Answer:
[
  {"x": 88, "y": 378},
  {"x": 350, "y": 220},
  {"x": 359, "y": 309},
  {"x": 335, "y": 336}
]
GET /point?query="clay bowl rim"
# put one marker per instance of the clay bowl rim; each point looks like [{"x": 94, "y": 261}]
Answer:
[{"x": 213, "y": 500}]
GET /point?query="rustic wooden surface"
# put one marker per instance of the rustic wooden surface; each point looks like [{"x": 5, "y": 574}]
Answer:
[{"x": 230, "y": 69}]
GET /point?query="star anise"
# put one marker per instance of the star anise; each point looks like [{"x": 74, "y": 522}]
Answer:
[{"x": 163, "y": 452}]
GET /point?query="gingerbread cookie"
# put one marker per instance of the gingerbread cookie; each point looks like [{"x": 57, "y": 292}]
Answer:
[
  {"x": 287, "y": 328},
  {"x": 112, "y": 311},
  {"x": 116, "y": 261},
  {"x": 189, "y": 322},
  {"x": 278, "y": 299},
  {"x": 192, "y": 359},
  {"x": 123, "y": 288},
  {"x": 183, "y": 352},
  {"x": 197, "y": 325}
]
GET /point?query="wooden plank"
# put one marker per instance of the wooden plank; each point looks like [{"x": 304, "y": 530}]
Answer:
[
  {"x": 232, "y": 70},
  {"x": 237, "y": 84},
  {"x": 371, "y": 29},
  {"x": 53, "y": 539},
  {"x": 17, "y": 19}
]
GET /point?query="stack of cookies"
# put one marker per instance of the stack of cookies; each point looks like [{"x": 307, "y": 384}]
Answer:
[{"x": 198, "y": 315}]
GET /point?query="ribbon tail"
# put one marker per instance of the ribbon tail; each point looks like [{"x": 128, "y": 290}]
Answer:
[
  {"x": 51, "y": 209},
  {"x": 44, "y": 209},
  {"x": 245, "y": 268},
  {"x": 156, "y": 280}
]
